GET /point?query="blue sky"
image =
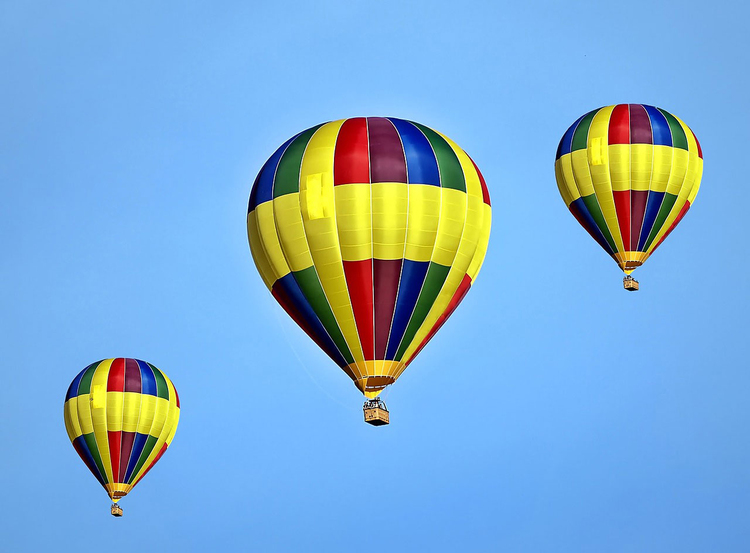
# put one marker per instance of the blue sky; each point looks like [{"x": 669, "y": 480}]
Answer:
[{"x": 553, "y": 412}]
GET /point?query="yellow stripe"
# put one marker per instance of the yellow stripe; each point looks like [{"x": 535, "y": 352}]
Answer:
[
  {"x": 422, "y": 221},
  {"x": 565, "y": 179},
  {"x": 641, "y": 165},
  {"x": 148, "y": 408},
  {"x": 130, "y": 411},
  {"x": 451, "y": 226},
  {"x": 354, "y": 221},
  {"x": 98, "y": 400},
  {"x": 390, "y": 205},
  {"x": 662, "y": 168},
  {"x": 256, "y": 248},
  {"x": 619, "y": 167},
  {"x": 291, "y": 231},
  {"x": 316, "y": 187},
  {"x": 72, "y": 424},
  {"x": 482, "y": 243}
]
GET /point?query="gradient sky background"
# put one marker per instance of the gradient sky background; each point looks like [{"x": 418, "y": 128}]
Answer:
[{"x": 554, "y": 412}]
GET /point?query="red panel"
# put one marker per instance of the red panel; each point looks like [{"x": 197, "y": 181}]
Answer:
[
  {"x": 351, "y": 160},
  {"x": 359, "y": 282},
  {"x": 176, "y": 396},
  {"x": 485, "y": 192},
  {"x": 461, "y": 292},
  {"x": 156, "y": 460},
  {"x": 126, "y": 447},
  {"x": 386, "y": 276},
  {"x": 700, "y": 151},
  {"x": 114, "y": 452},
  {"x": 638, "y": 200},
  {"x": 116, "y": 377},
  {"x": 622, "y": 205},
  {"x": 676, "y": 222},
  {"x": 619, "y": 125}
]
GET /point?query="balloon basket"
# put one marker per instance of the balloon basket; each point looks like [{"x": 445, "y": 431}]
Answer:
[
  {"x": 630, "y": 284},
  {"x": 376, "y": 412},
  {"x": 116, "y": 510}
]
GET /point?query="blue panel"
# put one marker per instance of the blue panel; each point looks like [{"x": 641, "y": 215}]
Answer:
[
  {"x": 581, "y": 213},
  {"x": 135, "y": 454},
  {"x": 421, "y": 163},
  {"x": 412, "y": 278},
  {"x": 652, "y": 210},
  {"x": 566, "y": 142},
  {"x": 262, "y": 191},
  {"x": 148, "y": 380},
  {"x": 659, "y": 126},
  {"x": 73, "y": 389},
  {"x": 290, "y": 288},
  {"x": 83, "y": 450}
]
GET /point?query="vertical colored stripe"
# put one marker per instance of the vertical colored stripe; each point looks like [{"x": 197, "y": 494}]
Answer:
[
  {"x": 581, "y": 213},
  {"x": 287, "y": 173},
  {"x": 132, "y": 376},
  {"x": 451, "y": 173},
  {"x": 115, "y": 441},
  {"x": 652, "y": 209},
  {"x": 622, "y": 206},
  {"x": 386, "y": 274},
  {"x": 151, "y": 465},
  {"x": 85, "y": 385},
  {"x": 81, "y": 446},
  {"x": 73, "y": 388},
  {"x": 93, "y": 449},
  {"x": 679, "y": 140},
  {"x": 485, "y": 190},
  {"x": 661, "y": 133},
  {"x": 263, "y": 188},
  {"x": 148, "y": 380},
  {"x": 566, "y": 142},
  {"x": 619, "y": 125},
  {"x": 592, "y": 205},
  {"x": 421, "y": 163},
  {"x": 581, "y": 134},
  {"x": 162, "y": 390},
  {"x": 126, "y": 449},
  {"x": 138, "y": 443},
  {"x": 638, "y": 200},
  {"x": 682, "y": 213},
  {"x": 359, "y": 280},
  {"x": 116, "y": 377},
  {"x": 666, "y": 207},
  {"x": 145, "y": 452},
  {"x": 351, "y": 161},
  {"x": 387, "y": 162},
  {"x": 412, "y": 279},
  {"x": 640, "y": 125}
]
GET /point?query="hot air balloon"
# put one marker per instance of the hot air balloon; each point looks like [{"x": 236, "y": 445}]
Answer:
[
  {"x": 121, "y": 415},
  {"x": 629, "y": 173},
  {"x": 369, "y": 232}
]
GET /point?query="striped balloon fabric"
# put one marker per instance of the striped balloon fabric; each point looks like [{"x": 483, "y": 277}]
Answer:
[
  {"x": 629, "y": 173},
  {"x": 121, "y": 415},
  {"x": 369, "y": 232}
]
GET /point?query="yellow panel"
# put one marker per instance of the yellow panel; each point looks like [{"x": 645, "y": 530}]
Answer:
[
  {"x": 470, "y": 241},
  {"x": 695, "y": 165},
  {"x": 291, "y": 231},
  {"x": 662, "y": 168},
  {"x": 72, "y": 424},
  {"x": 131, "y": 410},
  {"x": 83, "y": 405},
  {"x": 482, "y": 243},
  {"x": 451, "y": 226},
  {"x": 390, "y": 205},
  {"x": 615, "y": 159},
  {"x": 579, "y": 163},
  {"x": 565, "y": 180},
  {"x": 174, "y": 413},
  {"x": 422, "y": 221},
  {"x": 258, "y": 251},
  {"x": 157, "y": 430},
  {"x": 98, "y": 397},
  {"x": 680, "y": 159},
  {"x": 641, "y": 163},
  {"x": 354, "y": 221},
  {"x": 114, "y": 411},
  {"x": 698, "y": 175},
  {"x": 316, "y": 172},
  {"x": 148, "y": 408},
  {"x": 269, "y": 239}
]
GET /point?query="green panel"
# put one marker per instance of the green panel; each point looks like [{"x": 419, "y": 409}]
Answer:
[
  {"x": 433, "y": 283},
  {"x": 287, "y": 173},
  {"x": 580, "y": 137},
  {"x": 679, "y": 140},
  {"x": 310, "y": 285},
  {"x": 592, "y": 204},
  {"x": 94, "y": 449},
  {"x": 147, "y": 449},
  {"x": 162, "y": 390},
  {"x": 451, "y": 174},
  {"x": 85, "y": 385},
  {"x": 666, "y": 207}
]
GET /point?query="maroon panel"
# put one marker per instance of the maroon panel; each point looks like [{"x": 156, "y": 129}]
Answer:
[
  {"x": 622, "y": 206},
  {"x": 387, "y": 161},
  {"x": 619, "y": 125},
  {"x": 351, "y": 161},
  {"x": 638, "y": 200},
  {"x": 116, "y": 376},
  {"x": 126, "y": 448},
  {"x": 359, "y": 282},
  {"x": 132, "y": 376},
  {"x": 386, "y": 276},
  {"x": 640, "y": 125}
]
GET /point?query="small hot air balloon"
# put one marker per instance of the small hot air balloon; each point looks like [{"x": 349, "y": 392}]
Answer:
[
  {"x": 121, "y": 415},
  {"x": 629, "y": 173},
  {"x": 369, "y": 232}
]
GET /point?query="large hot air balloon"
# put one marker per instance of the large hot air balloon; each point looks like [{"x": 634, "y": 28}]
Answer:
[
  {"x": 121, "y": 415},
  {"x": 369, "y": 232},
  {"x": 629, "y": 173}
]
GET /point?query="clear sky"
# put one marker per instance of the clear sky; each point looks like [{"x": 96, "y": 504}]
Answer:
[{"x": 554, "y": 411}]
